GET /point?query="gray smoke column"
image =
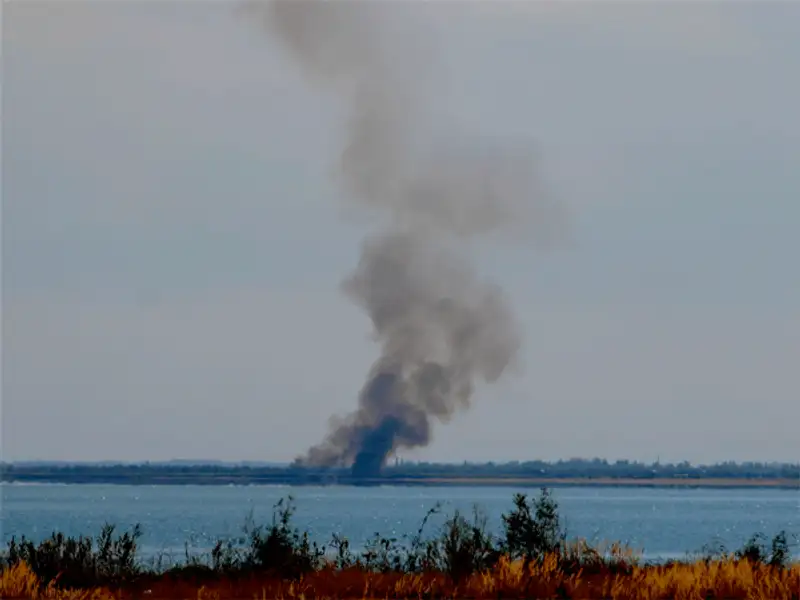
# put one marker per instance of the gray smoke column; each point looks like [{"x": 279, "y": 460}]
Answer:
[{"x": 441, "y": 329}]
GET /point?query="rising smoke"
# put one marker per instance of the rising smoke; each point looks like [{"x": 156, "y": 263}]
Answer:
[{"x": 441, "y": 329}]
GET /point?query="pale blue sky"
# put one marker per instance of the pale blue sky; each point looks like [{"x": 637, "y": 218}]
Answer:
[{"x": 173, "y": 240}]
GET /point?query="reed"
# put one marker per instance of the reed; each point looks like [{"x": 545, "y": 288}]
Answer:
[{"x": 728, "y": 578}]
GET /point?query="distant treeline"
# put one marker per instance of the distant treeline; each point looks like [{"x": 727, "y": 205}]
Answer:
[
  {"x": 400, "y": 472},
  {"x": 580, "y": 468}
]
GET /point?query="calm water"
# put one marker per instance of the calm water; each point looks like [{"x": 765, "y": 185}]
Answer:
[{"x": 664, "y": 523}]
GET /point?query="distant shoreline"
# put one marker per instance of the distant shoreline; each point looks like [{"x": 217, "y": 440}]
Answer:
[
  {"x": 622, "y": 482},
  {"x": 444, "y": 481},
  {"x": 570, "y": 473}
]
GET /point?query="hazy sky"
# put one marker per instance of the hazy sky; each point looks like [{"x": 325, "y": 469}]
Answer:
[{"x": 174, "y": 239}]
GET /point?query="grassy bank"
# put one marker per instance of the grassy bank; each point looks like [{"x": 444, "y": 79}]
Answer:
[
  {"x": 532, "y": 558},
  {"x": 727, "y": 579}
]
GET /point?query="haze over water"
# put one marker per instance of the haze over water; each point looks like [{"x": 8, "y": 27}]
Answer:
[{"x": 665, "y": 523}]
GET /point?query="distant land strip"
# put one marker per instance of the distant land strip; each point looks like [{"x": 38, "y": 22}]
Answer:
[
  {"x": 789, "y": 484},
  {"x": 455, "y": 475}
]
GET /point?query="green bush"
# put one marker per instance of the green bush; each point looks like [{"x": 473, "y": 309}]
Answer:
[
  {"x": 755, "y": 550},
  {"x": 76, "y": 562},
  {"x": 533, "y": 528}
]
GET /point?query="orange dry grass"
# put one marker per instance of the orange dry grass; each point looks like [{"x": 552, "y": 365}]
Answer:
[
  {"x": 728, "y": 579},
  {"x": 19, "y": 582}
]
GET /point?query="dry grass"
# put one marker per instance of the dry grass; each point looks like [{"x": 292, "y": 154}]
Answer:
[{"x": 727, "y": 578}]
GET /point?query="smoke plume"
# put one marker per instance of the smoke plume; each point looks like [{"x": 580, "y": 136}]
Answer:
[{"x": 441, "y": 329}]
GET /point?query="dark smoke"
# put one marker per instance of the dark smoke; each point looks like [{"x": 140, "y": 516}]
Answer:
[{"x": 441, "y": 329}]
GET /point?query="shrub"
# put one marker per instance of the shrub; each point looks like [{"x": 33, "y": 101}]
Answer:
[
  {"x": 281, "y": 548},
  {"x": 465, "y": 547},
  {"x": 533, "y": 528},
  {"x": 76, "y": 562}
]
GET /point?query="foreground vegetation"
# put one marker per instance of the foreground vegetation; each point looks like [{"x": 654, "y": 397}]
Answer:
[
  {"x": 532, "y": 558},
  {"x": 724, "y": 579}
]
